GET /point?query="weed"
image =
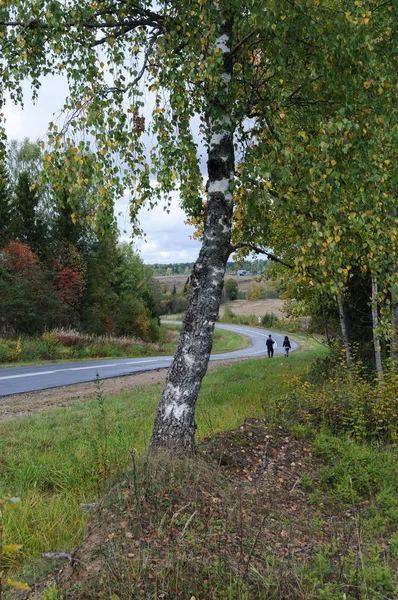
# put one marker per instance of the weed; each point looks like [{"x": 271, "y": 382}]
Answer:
[
  {"x": 100, "y": 442},
  {"x": 8, "y": 552}
]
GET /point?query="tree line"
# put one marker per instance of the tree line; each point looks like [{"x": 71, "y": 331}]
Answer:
[
  {"x": 56, "y": 271},
  {"x": 252, "y": 267}
]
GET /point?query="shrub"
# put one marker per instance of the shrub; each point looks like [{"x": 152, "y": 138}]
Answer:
[
  {"x": 231, "y": 289},
  {"x": 269, "y": 320},
  {"x": 364, "y": 409}
]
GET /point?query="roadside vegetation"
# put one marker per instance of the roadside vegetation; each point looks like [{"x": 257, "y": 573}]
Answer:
[
  {"x": 63, "y": 345},
  {"x": 293, "y": 494}
]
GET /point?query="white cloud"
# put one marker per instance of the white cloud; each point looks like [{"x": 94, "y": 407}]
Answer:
[
  {"x": 168, "y": 239},
  {"x": 32, "y": 120}
]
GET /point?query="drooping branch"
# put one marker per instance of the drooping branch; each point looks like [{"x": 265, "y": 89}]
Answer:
[{"x": 259, "y": 250}]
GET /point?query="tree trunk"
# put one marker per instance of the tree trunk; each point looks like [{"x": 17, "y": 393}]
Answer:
[
  {"x": 174, "y": 428},
  {"x": 394, "y": 322},
  {"x": 394, "y": 313},
  {"x": 344, "y": 332},
  {"x": 375, "y": 327},
  {"x": 325, "y": 322}
]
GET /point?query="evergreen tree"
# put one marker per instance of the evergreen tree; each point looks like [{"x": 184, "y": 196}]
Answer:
[
  {"x": 5, "y": 206},
  {"x": 27, "y": 223}
]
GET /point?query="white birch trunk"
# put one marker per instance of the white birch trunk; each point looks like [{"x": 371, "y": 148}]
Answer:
[
  {"x": 344, "y": 333},
  {"x": 375, "y": 328},
  {"x": 174, "y": 428}
]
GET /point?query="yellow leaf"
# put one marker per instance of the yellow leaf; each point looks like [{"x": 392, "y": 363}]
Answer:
[
  {"x": 9, "y": 548},
  {"x": 18, "y": 584}
]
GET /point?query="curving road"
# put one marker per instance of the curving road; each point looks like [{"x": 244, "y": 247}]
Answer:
[{"x": 16, "y": 380}]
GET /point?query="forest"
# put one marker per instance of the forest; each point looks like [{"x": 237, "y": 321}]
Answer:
[{"x": 56, "y": 271}]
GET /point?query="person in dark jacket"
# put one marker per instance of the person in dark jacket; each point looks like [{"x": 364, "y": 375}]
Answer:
[
  {"x": 286, "y": 346},
  {"x": 270, "y": 346}
]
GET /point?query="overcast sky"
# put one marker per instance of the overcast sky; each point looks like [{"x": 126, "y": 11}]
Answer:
[{"x": 168, "y": 239}]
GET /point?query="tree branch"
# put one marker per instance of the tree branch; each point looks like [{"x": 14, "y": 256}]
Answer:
[
  {"x": 258, "y": 250},
  {"x": 243, "y": 41}
]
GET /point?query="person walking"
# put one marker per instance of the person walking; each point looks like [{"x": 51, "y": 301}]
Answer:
[
  {"x": 270, "y": 346},
  {"x": 286, "y": 346}
]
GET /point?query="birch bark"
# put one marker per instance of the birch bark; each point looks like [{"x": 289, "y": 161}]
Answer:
[
  {"x": 375, "y": 327},
  {"x": 174, "y": 428},
  {"x": 344, "y": 332}
]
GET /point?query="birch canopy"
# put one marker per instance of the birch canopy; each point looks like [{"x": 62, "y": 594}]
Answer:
[{"x": 253, "y": 74}]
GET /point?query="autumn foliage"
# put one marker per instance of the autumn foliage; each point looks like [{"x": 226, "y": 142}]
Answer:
[
  {"x": 19, "y": 258},
  {"x": 69, "y": 285}
]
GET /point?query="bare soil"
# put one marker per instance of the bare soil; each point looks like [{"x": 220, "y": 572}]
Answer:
[
  {"x": 255, "y": 307},
  {"x": 21, "y": 405}
]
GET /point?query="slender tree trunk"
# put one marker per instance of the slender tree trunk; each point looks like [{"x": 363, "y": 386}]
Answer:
[
  {"x": 344, "y": 332},
  {"x": 174, "y": 427},
  {"x": 375, "y": 327},
  {"x": 394, "y": 322},
  {"x": 394, "y": 313},
  {"x": 325, "y": 322}
]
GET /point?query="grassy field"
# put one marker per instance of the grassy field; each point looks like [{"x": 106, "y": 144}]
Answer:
[{"x": 302, "y": 505}]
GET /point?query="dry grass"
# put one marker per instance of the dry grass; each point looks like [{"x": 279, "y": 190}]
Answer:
[{"x": 257, "y": 308}]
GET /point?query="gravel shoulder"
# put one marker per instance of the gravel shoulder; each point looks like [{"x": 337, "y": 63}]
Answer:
[{"x": 22, "y": 405}]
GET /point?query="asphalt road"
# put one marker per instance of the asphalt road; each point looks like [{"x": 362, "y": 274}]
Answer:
[{"x": 16, "y": 380}]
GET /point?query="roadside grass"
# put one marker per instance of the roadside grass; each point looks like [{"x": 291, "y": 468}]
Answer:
[{"x": 48, "y": 349}]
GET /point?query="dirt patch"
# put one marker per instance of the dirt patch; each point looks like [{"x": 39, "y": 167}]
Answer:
[
  {"x": 242, "y": 507},
  {"x": 169, "y": 281},
  {"x": 21, "y": 405},
  {"x": 244, "y": 283},
  {"x": 255, "y": 307}
]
